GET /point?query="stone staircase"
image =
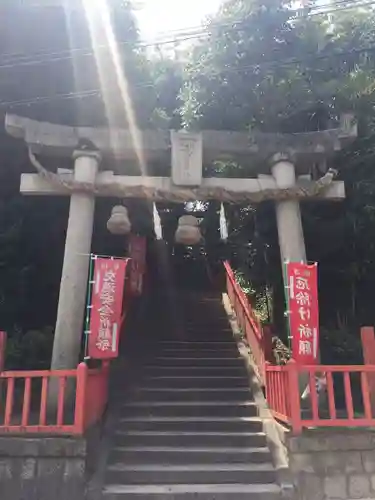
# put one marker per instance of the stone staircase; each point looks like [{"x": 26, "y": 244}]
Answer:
[{"x": 189, "y": 428}]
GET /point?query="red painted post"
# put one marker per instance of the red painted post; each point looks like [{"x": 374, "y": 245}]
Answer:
[
  {"x": 43, "y": 402},
  {"x": 368, "y": 349},
  {"x": 3, "y": 344},
  {"x": 80, "y": 404},
  {"x": 331, "y": 396},
  {"x": 368, "y": 343},
  {"x": 348, "y": 397},
  {"x": 9, "y": 402},
  {"x": 294, "y": 397},
  {"x": 61, "y": 401},
  {"x": 26, "y": 402},
  {"x": 268, "y": 385}
]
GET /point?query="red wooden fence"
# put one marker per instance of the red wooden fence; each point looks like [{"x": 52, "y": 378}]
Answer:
[
  {"x": 248, "y": 321},
  {"x": 24, "y": 400},
  {"x": 283, "y": 396},
  {"x": 355, "y": 383}
]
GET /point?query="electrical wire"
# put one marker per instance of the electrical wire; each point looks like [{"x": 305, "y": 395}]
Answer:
[
  {"x": 97, "y": 92},
  {"x": 14, "y": 60},
  {"x": 176, "y": 33},
  {"x": 276, "y": 62}
]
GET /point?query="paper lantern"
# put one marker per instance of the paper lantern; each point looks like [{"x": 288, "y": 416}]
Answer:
[
  {"x": 119, "y": 222},
  {"x": 188, "y": 232}
]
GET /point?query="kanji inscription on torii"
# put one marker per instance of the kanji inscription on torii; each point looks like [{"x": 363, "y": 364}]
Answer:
[
  {"x": 303, "y": 311},
  {"x": 187, "y": 158}
]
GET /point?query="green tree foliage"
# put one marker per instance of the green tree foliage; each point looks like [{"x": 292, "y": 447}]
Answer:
[
  {"x": 268, "y": 68},
  {"x": 275, "y": 71}
]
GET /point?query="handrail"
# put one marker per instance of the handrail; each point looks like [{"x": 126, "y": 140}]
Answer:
[
  {"x": 247, "y": 321},
  {"x": 244, "y": 302},
  {"x": 283, "y": 396},
  {"x": 25, "y": 408},
  {"x": 37, "y": 373}
]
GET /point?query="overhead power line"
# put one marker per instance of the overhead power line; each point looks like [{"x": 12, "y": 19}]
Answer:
[
  {"x": 11, "y": 61},
  {"x": 275, "y": 62}
]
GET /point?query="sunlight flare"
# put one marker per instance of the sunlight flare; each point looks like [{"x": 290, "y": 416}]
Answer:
[{"x": 112, "y": 73}]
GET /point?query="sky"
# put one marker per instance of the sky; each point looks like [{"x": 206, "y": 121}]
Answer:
[{"x": 155, "y": 17}]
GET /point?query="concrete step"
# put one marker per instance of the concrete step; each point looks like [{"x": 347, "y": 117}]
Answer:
[
  {"x": 203, "y": 307},
  {"x": 191, "y": 473},
  {"x": 190, "y": 439},
  {"x": 204, "y": 317},
  {"x": 212, "y": 345},
  {"x": 191, "y": 409},
  {"x": 196, "y": 424},
  {"x": 209, "y": 327},
  {"x": 195, "y": 371},
  {"x": 178, "y": 361},
  {"x": 197, "y": 353},
  {"x": 193, "y": 492},
  {"x": 209, "y": 353},
  {"x": 182, "y": 455},
  {"x": 197, "y": 337},
  {"x": 188, "y": 394},
  {"x": 197, "y": 381},
  {"x": 208, "y": 333}
]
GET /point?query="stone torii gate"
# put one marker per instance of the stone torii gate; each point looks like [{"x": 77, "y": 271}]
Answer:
[{"x": 285, "y": 162}]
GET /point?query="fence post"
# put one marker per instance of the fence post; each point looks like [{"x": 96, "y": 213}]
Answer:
[
  {"x": 294, "y": 397},
  {"x": 268, "y": 386},
  {"x": 3, "y": 344},
  {"x": 368, "y": 349},
  {"x": 80, "y": 403}
]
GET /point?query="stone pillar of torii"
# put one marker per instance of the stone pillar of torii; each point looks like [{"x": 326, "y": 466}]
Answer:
[{"x": 279, "y": 168}]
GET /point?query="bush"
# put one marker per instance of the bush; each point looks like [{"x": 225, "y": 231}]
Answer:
[{"x": 29, "y": 351}]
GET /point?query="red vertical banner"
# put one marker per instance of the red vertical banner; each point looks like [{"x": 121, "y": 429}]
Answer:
[
  {"x": 303, "y": 311},
  {"x": 106, "y": 307},
  {"x": 137, "y": 254}
]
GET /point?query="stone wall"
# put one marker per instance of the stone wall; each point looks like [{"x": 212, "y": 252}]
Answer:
[
  {"x": 333, "y": 465},
  {"x": 42, "y": 468}
]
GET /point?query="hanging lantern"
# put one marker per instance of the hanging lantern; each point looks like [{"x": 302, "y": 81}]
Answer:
[
  {"x": 119, "y": 222},
  {"x": 188, "y": 232}
]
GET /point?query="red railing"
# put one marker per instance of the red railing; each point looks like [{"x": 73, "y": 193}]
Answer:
[
  {"x": 25, "y": 403},
  {"x": 349, "y": 389},
  {"x": 368, "y": 348},
  {"x": 284, "y": 400},
  {"x": 247, "y": 320},
  {"x": 96, "y": 395},
  {"x": 277, "y": 393}
]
